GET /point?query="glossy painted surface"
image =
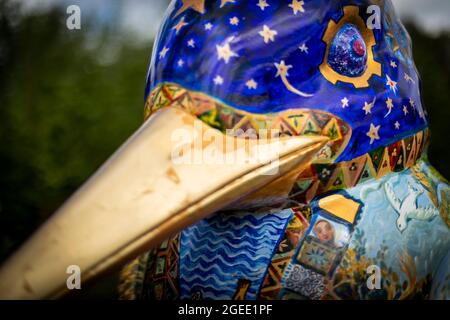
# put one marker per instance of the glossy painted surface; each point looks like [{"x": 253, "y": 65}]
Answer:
[
  {"x": 370, "y": 204},
  {"x": 234, "y": 52}
]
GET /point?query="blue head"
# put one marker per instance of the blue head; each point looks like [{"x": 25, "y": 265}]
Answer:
[{"x": 349, "y": 58}]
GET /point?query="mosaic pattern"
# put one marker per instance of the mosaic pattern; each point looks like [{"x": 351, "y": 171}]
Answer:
[
  {"x": 322, "y": 178},
  {"x": 324, "y": 175},
  {"x": 322, "y": 247},
  {"x": 304, "y": 282},
  {"x": 293, "y": 122},
  {"x": 294, "y": 233},
  {"x": 160, "y": 280}
]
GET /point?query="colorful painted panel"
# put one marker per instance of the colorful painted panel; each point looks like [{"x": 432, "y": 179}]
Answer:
[
  {"x": 322, "y": 247},
  {"x": 324, "y": 175},
  {"x": 369, "y": 200},
  {"x": 223, "y": 254},
  {"x": 404, "y": 233}
]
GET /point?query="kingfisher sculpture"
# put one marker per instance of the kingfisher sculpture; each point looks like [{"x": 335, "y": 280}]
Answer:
[{"x": 341, "y": 202}]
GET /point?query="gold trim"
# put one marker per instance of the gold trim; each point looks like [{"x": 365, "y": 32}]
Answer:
[
  {"x": 351, "y": 15},
  {"x": 340, "y": 206}
]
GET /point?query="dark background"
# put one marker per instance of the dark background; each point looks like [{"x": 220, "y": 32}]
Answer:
[{"x": 68, "y": 99}]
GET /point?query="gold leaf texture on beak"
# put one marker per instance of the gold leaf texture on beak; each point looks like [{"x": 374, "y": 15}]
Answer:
[{"x": 174, "y": 171}]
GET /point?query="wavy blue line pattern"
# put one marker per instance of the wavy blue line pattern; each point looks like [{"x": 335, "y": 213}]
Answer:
[{"x": 218, "y": 251}]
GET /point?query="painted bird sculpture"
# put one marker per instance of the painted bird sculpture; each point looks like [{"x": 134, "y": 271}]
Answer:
[{"x": 343, "y": 205}]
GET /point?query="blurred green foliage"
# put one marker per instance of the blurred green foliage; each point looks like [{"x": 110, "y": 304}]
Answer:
[
  {"x": 63, "y": 110},
  {"x": 62, "y": 113}
]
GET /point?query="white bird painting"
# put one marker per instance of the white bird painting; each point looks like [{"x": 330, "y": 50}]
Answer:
[{"x": 408, "y": 209}]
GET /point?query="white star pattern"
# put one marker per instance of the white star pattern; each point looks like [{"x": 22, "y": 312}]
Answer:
[
  {"x": 224, "y": 52},
  {"x": 389, "y": 105},
  {"x": 373, "y": 133},
  {"x": 409, "y": 79},
  {"x": 282, "y": 72},
  {"x": 282, "y": 69},
  {"x": 179, "y": 25},
  {"x": 218, "y": 80},
  {"x": 368, "y": 107},
  {"x": 405, "y": 110},
  {"x": 421, "y": 115},
  {"x": 303, "y": 48},
  {"x": 268, "y": 34},
  {"x": 391, "y": 83},
  {"x": 191, "y": 43},
  {"x": 262, "y": 4},
  {"x": 234, "y": 21},
  {"x": 163, "y": 52},
  {"x": 297, "y": 6},
  {"x": 251, "y": 84}
]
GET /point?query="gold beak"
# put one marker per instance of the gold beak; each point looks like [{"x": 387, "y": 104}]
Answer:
[{"x": 151, "y": 188}]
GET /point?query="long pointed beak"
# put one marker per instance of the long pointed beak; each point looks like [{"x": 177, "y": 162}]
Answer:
[{"x": 151, "y": 188}]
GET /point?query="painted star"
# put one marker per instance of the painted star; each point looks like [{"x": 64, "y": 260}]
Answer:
[
  {"x": 224, "y": 52},
  {"x": 218, "y": 80},
  {"x": 208, "y": 26},
  {"x": 368, "y": 107},
  {"x": 389, "y": 105},
  {"x": 191, "y": 43},
  {"x": 303, "y": 48},
  {"x": 345, "y": 102},
  {"x": 282, "y": 69},
  {"x": 251, "y": 84},
  {"x": 392, "y": 84},
  {"x": 180, "y": 63},
  {"x": 234, "y": 21},
  {"x": 224, "y": 2},
  {"x": 197, "y": 5},
  {"x": 179, "y": 25},
  {"x": 297, "y": 6},
  {"x": 397, "y": 125},
  {"x": 408, "y": 78},
  {"x": 263, "y": 4},
  {"x": 393, "y": 64},
  {"x": 163, "y": 52},
  {"x": 373, "y": 133},
  {"x": 412, "y": 103},
  {"x": 421, "y": 115},
  {"x": 405, "y": 110},
  {"x": 268, "y": 34}
]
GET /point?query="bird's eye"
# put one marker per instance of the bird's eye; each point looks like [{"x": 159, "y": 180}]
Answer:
[{"x": 348, "y": 52}]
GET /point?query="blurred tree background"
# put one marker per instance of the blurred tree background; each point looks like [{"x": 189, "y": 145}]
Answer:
[
  {"x": 65, "y": 106},
  {"x": 63, "y": 111}
]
